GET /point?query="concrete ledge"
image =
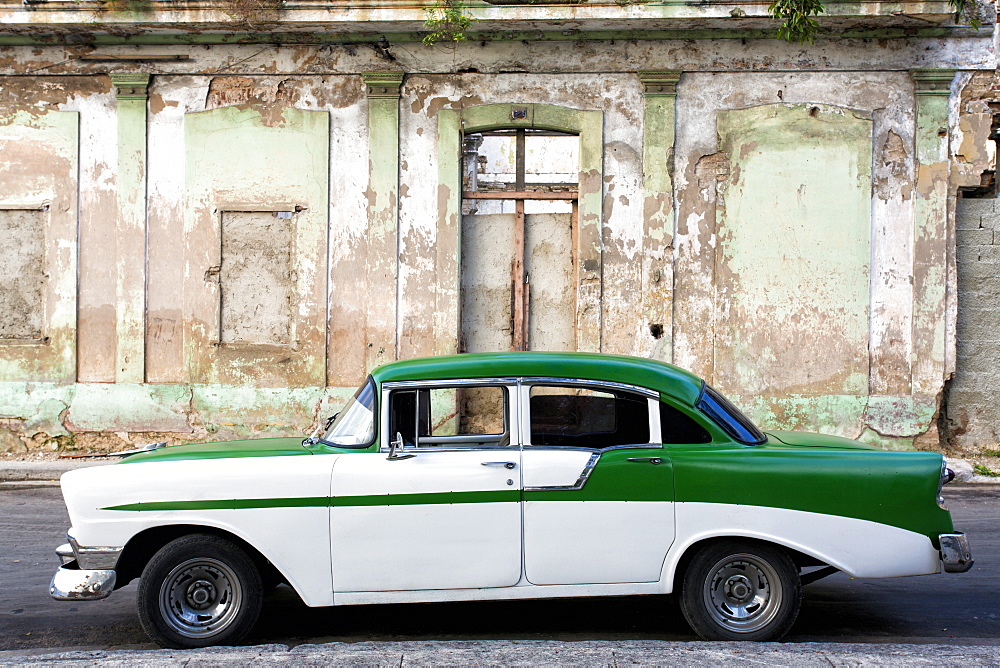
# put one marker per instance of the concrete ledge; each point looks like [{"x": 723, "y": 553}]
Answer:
[
  {"x": 537, "y": 653},
  {"x": 44, "y": 470}
]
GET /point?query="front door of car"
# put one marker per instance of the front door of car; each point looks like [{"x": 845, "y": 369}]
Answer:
[
  {"x": 440, "y": 512},
  {"x": 598, "y": 488}
]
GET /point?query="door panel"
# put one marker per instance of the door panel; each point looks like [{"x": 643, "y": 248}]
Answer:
[
  {"x": 615, "y": 526},
  {"x": 551, "y": 277},
  {"x": 488, "y": 251},
  {"x": 439, "y": 520}
]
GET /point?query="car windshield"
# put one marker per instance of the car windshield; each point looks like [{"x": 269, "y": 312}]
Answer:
[
  {"x": 727, "y": 416},
  {"x": 354, "y": 426}
]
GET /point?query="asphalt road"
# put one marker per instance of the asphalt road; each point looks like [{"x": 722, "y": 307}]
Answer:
[{"x": 950, "y": 609}]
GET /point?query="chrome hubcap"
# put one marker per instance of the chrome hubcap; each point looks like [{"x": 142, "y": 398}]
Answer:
[
  {"x": 199, "y": 598},
  {"x": 200, "y": 594},
  {"x": 743, "y": 593}
]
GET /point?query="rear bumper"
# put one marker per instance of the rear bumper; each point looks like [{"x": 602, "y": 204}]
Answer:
[{"x": 955, "y": 553}]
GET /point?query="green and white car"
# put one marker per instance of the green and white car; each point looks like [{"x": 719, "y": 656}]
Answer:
[{"x": 506, "y": 476}]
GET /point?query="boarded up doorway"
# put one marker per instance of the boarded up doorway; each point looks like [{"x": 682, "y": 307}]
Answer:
[{"x": 519, "y": 229}]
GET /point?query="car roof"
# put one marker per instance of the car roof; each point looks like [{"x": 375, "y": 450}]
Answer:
[{"x": 655, "y": 375}]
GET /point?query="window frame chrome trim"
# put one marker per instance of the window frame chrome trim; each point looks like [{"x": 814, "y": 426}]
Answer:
[
  {"x": 428, "y": 449},
  {"x": 509, "y": 384},
  {"x": 610, "y": 448},
  {"x": 652, "y": 408},
  {"x": 583, "y": 382},
  {"x": 444, "y": 384}
]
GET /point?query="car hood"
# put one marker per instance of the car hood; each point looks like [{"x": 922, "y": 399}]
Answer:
[
  {"x": 258, "y": 447},
  {"x": 813, "y": 440}
]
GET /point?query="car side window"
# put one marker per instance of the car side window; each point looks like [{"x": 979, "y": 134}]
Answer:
[
  {"x": 585, "y": 417},
  {"x": 466, "y": 416},
  {"x": 677, "y": 428}
]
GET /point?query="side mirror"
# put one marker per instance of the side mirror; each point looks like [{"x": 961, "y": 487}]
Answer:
[{"x": 397, "y": 445}]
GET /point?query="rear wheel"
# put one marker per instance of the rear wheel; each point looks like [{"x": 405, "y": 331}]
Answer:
[
  {"x": 741, "y": 590},
  {"x": 199, "y": 590}
]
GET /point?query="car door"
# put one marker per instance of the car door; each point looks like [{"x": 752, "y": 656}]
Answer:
[
  {"x": 598, "y": 488},
  {"x": 442, "y": 511}
]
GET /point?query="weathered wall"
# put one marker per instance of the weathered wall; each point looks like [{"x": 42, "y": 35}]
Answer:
[
  {"x": 38, "y": 183},
  {"x": 338, "y": 169},
  {"x": 971, "y": 418},
  {"x": 880, "y": 403},
  {"x": 793, "y": 253}
]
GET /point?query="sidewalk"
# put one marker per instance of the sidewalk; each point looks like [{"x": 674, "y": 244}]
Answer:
[{"x": 536, "y": 653}]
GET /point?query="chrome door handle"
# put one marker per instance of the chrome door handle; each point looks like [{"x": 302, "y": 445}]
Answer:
[
  {"x": 506, "y": 465},
  {"x": 648, "y": 460}
]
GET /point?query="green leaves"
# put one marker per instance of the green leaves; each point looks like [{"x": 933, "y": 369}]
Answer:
[
  {"x": 796, "y": 16},
  {"x": 799, "y": 26},
  {"x": 447, "y": 22}
]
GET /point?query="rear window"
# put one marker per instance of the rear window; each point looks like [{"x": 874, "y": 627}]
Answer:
[
  {"x": 727, "y": 416},
  {"x": 677, "y": 428}
]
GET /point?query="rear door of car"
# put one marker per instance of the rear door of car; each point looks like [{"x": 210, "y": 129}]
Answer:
[
  {"x": 598, "y": 488},
  {"x": 442, "y": 511}
]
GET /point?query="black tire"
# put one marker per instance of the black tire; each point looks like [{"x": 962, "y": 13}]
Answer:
[
  {"x": 199, "y": 590},
  {"x": 741, "y": 590}
]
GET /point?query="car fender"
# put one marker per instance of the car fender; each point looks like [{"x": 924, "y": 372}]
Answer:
[
  {"x": 277, "y": 505},
  {"x": 860, "y": 548}
]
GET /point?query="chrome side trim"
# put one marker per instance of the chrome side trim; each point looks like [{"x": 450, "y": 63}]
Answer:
[
  {"x": 580, "y": 382},
  {"x": 70, "y": 584},
  {"x": 955, "y": 553},
  {"x": 580, "y": 482}
]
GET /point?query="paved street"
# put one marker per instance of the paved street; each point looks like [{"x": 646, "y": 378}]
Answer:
[{"x": 940, "y": 609}]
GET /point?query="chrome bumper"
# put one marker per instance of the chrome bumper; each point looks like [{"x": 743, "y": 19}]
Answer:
[
  {"x": 71, "y": 583},
  {"x": 955, "y": 554}
]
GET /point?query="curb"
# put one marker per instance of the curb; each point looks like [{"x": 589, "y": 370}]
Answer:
[
  {"x": 537, "y": 653},
  {"x": 964, "y": 473}
]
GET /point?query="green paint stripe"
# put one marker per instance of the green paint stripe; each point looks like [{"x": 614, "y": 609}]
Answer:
[{"x": 430, "y": 498}]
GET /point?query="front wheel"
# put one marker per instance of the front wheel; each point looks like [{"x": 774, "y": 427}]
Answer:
[
  {"x": 197, "y": 591},
  {"x": 741, "y": 590}
]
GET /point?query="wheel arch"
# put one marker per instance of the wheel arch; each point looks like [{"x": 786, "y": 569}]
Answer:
[
  {"x": 142, "y": 546},
  {"x": 674, "y": 569}
]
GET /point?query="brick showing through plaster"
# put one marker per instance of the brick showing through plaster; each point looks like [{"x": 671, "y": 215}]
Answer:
[{"x": 972, "y": 414}]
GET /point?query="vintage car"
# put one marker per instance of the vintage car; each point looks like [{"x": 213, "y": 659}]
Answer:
[{"x": 506, "y": 476}]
